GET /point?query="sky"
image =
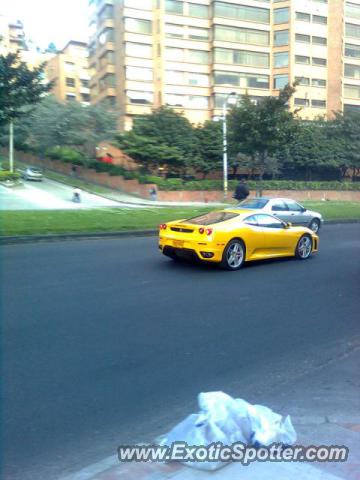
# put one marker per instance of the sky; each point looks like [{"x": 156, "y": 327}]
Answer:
[{"x": 48, "y": 21}]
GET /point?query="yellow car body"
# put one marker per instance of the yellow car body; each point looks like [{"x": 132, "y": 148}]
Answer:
[{"x": 258, "y": 235}]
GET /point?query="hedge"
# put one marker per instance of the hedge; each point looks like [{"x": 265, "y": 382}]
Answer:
[{"x": 6, "y": 175}]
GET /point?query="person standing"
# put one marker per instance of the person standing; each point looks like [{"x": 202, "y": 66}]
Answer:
[{"x": 242, "y": 191}]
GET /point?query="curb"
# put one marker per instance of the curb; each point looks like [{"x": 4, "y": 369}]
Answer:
[
  {"x": 75, "y": 236},
  {"x": 95, "y": 235}
]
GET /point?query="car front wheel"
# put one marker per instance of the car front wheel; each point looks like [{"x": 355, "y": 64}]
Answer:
[
  {"x": 314, "y": 225},
  {"x": 234, "y": 255},
  {"x": 304, "y": 247}
]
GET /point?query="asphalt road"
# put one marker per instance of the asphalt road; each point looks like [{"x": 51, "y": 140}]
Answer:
[
  {"x": 106, "y": 341},
  {"x": 48, "y": 195}
]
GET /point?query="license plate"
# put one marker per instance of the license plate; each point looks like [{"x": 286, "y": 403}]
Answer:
[{"x": 178, "y": 243}]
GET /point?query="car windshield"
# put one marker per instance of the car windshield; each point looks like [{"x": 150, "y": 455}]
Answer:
[
  {"x": 211, "y": 218},
  {"x": 254, "y": 203},
  {"x": 35, "y": 170}
]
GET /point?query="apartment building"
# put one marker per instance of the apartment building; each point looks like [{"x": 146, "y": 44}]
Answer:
[
  {"x": 69, "y": 69},
  {"x": 12, "y": 36},
  {"x": 192, "y": 54}
]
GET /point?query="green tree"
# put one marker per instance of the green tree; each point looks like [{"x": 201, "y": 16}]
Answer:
[
  {"x": 20, "y": 87},
  {"x": 163, "y": 137},
  {"x": 344, "y": 133},
  {"x": 261, "y": 130},
  {"x": 210, "y": 147}
]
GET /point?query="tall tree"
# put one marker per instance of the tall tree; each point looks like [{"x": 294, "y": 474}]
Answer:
[
  {"x": 20, "y": 87},
  {"x": 260, "y": 130},
  {"x": 210, "y": 145}
]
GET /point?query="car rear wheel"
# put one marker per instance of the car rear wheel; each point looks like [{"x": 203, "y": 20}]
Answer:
[
  {"x": 304, "y": 247},
  {"x": 234, "y": 255},
  {"x": 314, "y": 225}
]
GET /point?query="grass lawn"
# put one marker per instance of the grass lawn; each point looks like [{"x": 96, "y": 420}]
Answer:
[{"x": 41, "y": 222}]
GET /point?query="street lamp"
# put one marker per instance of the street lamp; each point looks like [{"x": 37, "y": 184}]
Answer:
[{"x": 232, "y": 97}]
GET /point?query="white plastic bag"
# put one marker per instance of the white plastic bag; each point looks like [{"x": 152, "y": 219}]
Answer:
[{"x": 228, "y": 420}]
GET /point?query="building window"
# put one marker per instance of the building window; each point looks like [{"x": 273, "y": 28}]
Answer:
[
  {"x": 318, "y": 82},
  {"x": 69, "y": 66},
  {"x": 352, "y": 71},
  {"x": 243, "y": 80},
  {"x": 139, "y": 73},
  {"x": 352, "y": 10},
  {"x": 200, "y": 11},
  {"x": 241, "y": 35},
  {"x": 352, "y": 91},
  {"x": 302, "y": 38},
  {"x": 142, "y": 98},
  {"x": 174, "y": 6},
  {"x": 197, "y": 101},
  {"x": 198, "y": 56},
  {"x": 303, "y": 81},
  {"x": 174, "y": 54},
  {"x": 241, "y": 12},
  {"x": 281, "y": 59},
  {"x": 85, "y": 97},
  {"x": 303, "y": 17},
  {"x": 352, "y": 30},
  {"x": 107, "y": 59},
  {"x": 198, "y": 33},
  {"x": 281, "y": 37},
  {"x": 174, "y": 100},
  {"x": 70, "y": 97},
  {"x": 351, "y": 108},
  {"x": 107, "y": 35},
  {"x": 281, "y": 15},
  {"x": 352, "y": 51},
  {"x": 174, "y": 31},
  {"x": 85, "y": 83},
  {"x": 302, "y": 59},
  {"x": 140, "y": 50},
  {"x": 136, "y": 25},
  {"x": 107, "y": 81},
  {"x": 70, "y": 82},
  {"x": 319, "y": 19},
  {"x": 319, "y": 41},
  {"x": 321, "y": 62},
  {"x": 302, "y": 102},
  {"x": 318, "y": 103},
  {"x": 280, "y": 81},
  {"x": 241, "y": 57},
  {"x": 174, "y": 77}
]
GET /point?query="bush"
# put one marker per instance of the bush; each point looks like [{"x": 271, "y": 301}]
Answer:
[
  {"x": 6, "y": 175},
  {"x": 66, "y": 154}
]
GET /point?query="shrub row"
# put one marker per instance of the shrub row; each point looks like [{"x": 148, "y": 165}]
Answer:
[
  {"x": 69, "y": 155},
  {"x": 6, "y": 175}
]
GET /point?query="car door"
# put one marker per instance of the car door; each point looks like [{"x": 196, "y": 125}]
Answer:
[
  {"x": 277, "y": 239},
  {"x": 297, "y": 213},
  {"x": 254, "y": 238},
  {"x": 280, "y": 210}
]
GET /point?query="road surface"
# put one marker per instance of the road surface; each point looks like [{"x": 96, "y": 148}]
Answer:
[{"x": 108, "y": 342}]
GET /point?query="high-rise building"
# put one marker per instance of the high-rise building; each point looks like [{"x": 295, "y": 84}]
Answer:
[
  {"x": 69, "y": 70},
  {"x": 12, "y": 36},
  {"x": 192, "y": 54}
]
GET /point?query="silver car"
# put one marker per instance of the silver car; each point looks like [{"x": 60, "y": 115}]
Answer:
[
  {"x": 287, "y": 210},
  {"x": 32, "y": 173}
]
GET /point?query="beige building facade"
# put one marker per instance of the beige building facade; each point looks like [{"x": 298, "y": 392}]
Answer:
[
  {"x": 12, "y": 35},
  {"x": 69, "y": 70},
  {"x": 192, "y": 54}
]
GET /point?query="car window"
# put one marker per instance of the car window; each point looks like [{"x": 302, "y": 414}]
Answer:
[
  {"x": 294, "y": 206},
  {"x": 269, "y": 222},
  {"x": 254, "y": 203},
  {"x": 252, "y": 220},
  {"x": 279, "y": 206},
  {"x": 211, "y": 217}
]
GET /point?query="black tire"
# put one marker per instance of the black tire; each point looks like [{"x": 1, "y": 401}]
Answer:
[
  {"x": 314, "y": 225},
  {"x": 304, "y": 247},
  {"x": 234, "y": 255}
]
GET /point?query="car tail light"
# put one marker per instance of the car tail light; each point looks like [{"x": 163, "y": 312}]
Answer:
[
  {"x": 163, "y": 226},
  {"x": 201, "y": 230},
  {"x": 208, "y": 231}
]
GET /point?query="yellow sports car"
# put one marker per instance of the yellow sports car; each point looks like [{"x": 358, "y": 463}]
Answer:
[{"x": 232, "y": 237}]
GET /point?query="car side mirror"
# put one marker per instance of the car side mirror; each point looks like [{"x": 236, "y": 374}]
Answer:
[
  {"x": 303, "y": 209},
  {"x": 287, "y": 224}
]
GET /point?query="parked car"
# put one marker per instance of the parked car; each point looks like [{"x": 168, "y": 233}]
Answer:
[
  {"x": 286, "y": 210},
  {"x": 32, "y": 173},
  {"x": 233, "y": 236}
]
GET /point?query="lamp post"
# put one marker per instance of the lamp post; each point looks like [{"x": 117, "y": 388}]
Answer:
[{"x": 231, "y": 95}]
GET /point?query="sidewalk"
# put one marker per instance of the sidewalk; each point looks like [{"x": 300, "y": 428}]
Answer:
[{"x": 325, "y": 409}]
